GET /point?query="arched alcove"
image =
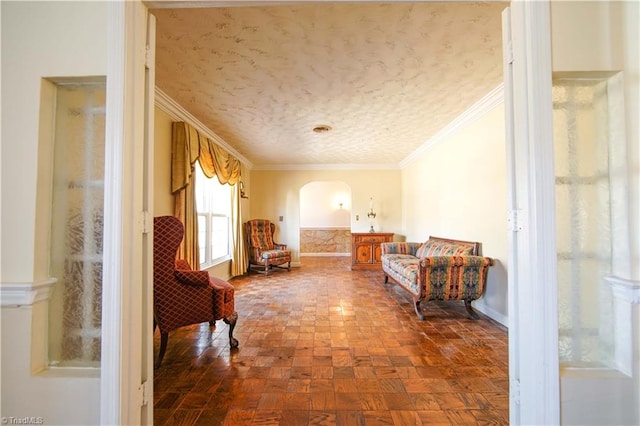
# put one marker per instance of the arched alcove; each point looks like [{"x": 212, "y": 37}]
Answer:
[{"x": 325, "y": 219}]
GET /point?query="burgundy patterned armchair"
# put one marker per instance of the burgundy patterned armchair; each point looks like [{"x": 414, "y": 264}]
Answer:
[
  {"x": 264, "y": 253},
  {"x": 182, "y": 296}
]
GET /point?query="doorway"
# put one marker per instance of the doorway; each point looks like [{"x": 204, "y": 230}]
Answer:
[{"x": 325, "y": 219}]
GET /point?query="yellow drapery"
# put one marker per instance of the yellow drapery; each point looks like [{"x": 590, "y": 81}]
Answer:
[{"x": 189, "y": 146}]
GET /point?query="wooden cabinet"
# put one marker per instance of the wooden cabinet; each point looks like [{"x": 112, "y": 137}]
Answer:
[{"x": 365, "y": 249}]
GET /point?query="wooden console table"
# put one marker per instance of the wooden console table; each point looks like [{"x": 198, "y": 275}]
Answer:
[{"x": 365, "y": 249}]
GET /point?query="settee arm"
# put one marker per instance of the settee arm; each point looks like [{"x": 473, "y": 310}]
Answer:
[
  {"x": 448, "y": 261},
  {"x": 453, "y": 277},
  {"x": 279, "y": 246},
  {"x": 399, "y": 248}
]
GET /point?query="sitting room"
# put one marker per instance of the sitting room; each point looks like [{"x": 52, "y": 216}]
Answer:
[{"x": 291, "y": 213}]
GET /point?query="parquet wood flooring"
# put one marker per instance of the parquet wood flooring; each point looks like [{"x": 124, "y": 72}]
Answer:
[{"x": 324, "y": 345}]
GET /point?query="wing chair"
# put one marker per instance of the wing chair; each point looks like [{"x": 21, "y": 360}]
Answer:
[
  {"x": 264, "y": 253},
  {"x": 181, "y": 295}
]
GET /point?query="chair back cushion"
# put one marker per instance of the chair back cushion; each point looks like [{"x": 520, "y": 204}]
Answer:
[{"x": 260, "y": 234}]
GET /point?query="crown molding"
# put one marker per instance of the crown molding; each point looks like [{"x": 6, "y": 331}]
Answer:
[
  {"x": 178, "y": 113},
  {"x": 327, "y": 167},
  {"x": 477, "y": 110}
]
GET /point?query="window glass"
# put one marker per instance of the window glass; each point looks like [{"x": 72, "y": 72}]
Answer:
[{"x": 213, "y": 204}]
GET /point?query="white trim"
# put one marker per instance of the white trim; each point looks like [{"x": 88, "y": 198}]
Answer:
[
  {"x": 111, "y": 359},
  {"x": 327, "y": 167},
  {"x": 325, "y": 254},
  {"x": 499, "y": 317},
  {"x": 26, "y": 294},
  {"x": 624, "y": 290},
  {"x": 488, "y": 102},
  {"x": 165, "y": 4},
  {"x": 178, "y": 113},
  {"x": 325, "y": 228},
  {"x": 533, "y": 344},
  {"x": 626, "y": 294}
]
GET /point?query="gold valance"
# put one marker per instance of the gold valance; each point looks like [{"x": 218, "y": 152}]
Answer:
[{"x": 190, "y": 146}]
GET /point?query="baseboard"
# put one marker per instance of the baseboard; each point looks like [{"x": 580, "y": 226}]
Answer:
[
  {"x": 325, "y": 254},
  {"x": 491, "y": 313}
]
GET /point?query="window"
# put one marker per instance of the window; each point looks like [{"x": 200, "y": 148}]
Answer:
[
  {"x": 75, "y": 311},
  {"x": 213, "y": 204}
]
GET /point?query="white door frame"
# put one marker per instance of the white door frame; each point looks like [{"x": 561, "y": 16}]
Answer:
[
  {"x": 533, "y": 313},
  {"x": 533, "y": 352},
  {"x": 126, "y": 361}
]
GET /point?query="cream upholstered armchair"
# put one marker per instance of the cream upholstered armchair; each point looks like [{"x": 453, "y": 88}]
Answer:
[{"x": 264, "y": 253}]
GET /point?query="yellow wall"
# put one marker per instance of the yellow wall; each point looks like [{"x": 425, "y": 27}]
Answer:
[
  {"x": 457, "y": 189},
  {"x": 39, "y": 40},
  {"x": 162, "y": 198},
  {"x": 275, "y": 193}
]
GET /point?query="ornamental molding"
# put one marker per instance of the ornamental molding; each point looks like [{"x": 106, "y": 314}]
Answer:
[
  {"x": 25, "y": 294},
  {"x": 623, "y": 289},
  {"x": 177, "y": 113}
]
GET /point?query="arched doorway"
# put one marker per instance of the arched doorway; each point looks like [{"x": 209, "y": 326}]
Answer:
[{"x": 325, "y": 219}]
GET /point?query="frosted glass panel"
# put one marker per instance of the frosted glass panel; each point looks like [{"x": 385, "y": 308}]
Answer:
[
  {"x": 77, "y": 224},
  {"x": 583, "y": 213}
]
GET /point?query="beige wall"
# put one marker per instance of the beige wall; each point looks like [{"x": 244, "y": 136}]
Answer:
[
  {"x": 276, "y": 193},
  {"x": 39, "y": 39},
  {"x": 162, "y": 198},
  {"x": 457, "y": 189}
]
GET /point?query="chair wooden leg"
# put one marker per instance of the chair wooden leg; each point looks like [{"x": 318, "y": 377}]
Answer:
[
  {"x": 418, "y": 310},
  {"x": 164, "y": 338},
  {"x": 232, "y": 320},
  {"x": 474, "y": 314}
]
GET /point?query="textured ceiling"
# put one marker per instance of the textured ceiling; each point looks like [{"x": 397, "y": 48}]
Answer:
[{"x": 384, "y": 77}]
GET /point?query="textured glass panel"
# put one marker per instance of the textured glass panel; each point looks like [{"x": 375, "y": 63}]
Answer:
[
  {"x": 583, "y": 212},
  {"x": 77, "y": 224}
]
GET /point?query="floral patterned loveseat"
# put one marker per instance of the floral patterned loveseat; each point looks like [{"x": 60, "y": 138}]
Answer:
[{"x": 438, "y": 269}]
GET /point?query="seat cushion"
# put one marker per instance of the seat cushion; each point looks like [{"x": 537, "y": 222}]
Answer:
[
  {"x": 276, "y": 254},
  {"x": 403, "y": 268}
]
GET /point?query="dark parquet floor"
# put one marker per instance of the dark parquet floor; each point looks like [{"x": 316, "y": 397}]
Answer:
[{"x": 324, "y": 345}]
